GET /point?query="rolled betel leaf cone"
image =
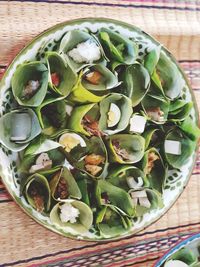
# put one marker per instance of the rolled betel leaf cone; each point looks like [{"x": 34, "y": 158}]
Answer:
[
  {"x": 29, "y": 83},
  {"x": 61, "y": 76},
  {"x": 136, "y": 83},
  {"x": 151, "y": 59},
  {"x": 190, "y": 128},
  {"x": 42, "y": 156},
  {"x": 87, "y": 155},
  {"x": 111, "y": 222},
  {"x": 99, "y": 78},
  {"x": 74, "y": 145},
  {"x": 179, "y": 109},
  {"x": 36, "y": 190},
  {"x": 63, "y": 185},
  {"x": 106, "y": 193},
  {"x": 118, "y": 48},
  {"x": 72, "y": 215},
  {"x": 86, "y": 186},
  {"x": 52, "y": 114},
  {"x": 184, "y": 257},
  {"x": 154, "y": 169},
  {"x": 85, "y": 119},
  {"x": 145, "y": 200},
  {"x": 125, "y": 148},
  {"x": 80, "y": 49},
  {"x": 115, "y": 112},
  {"x": 80, "y": 94},
  {"x": 127, "y": 177},
  {"x": 153, "y": 137},
  {"x": 156, "y": 108},
  {"x": 168, "y": 77},
  {"x": 18, "y": 128},
  {"x": 178, "y": 148}
]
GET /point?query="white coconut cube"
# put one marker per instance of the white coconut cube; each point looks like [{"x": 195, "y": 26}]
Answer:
[
  {"x": 172, "y": 147},
  {"x": 137, "y": 124}
]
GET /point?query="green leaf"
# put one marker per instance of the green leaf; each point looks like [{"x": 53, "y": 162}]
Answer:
[
  {"x": 157, "y": 174},
  {"x": 42, "y": 188},
  {"x": 129, "y": 144},
  {"x": 107, "y": 81},
  {"x": 117, "y": 197},
  {"x": 52, "y": 114},
  {"x": 26, "y": 72},
  {"x": 136, "y": 83},
  {"x": 118, "y": 176},
  {"x": 151, "y": 59},
  {"x": 186, "y": 255},
  {"x": 118, "y": 47},
  {"x": 187, "y": 148},
  {"x": 85, "y": 218},
  {"x": 125, "y": 107},
  {"x": 72, "y": 188},
  {"x": 190, "y": 128},
  {"x": 180, "y": 110},
  {"x": 170, "y": 77},
  {"x": 111, "y": 223},
  {"x": 70, "y": 41},
  {"x": 76, "y": 119},
  {"x": 12, "y": 123},
  {"x": 80, "y": 94},
  {"x": 158, "y": 106},
  {"x": 67, "y": 78}
]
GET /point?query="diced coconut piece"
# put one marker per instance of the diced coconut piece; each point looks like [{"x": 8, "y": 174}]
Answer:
[
  {"x": 137, "y": 124},
  {"x": 71, "y": 140},
  {"x": 43, "y": 162},
  {"x": 114, "y": 115},
  {"x": 69, "y": 109},
  {"x": 140, "y": 198},
  {"x": 68, "y": 213},
  {"x": 42, "y": 158},
  {"x": 138, "y": 194},
  {"x": 20, "y": 127},
  {"x": 41, "y": 167},
  {"x": 132, "y": 183},
  {"x": 172, "y": 147},
  {"x": 175, "y": 263},
  {"x": 87, "y": 52},
  {"x": 144, "y": 202}
]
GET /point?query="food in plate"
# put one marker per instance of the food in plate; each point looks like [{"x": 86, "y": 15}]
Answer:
[
  {"x": 185, "y": 254},
  {"x": 97, "y": 128}
]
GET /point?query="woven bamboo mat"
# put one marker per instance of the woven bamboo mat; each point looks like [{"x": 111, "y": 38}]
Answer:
[{"x": 176, "y": 24}]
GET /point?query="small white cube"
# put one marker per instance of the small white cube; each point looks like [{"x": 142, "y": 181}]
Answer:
[
  {"x": 137, "y": 124},
  {"x": 69, "y": 109},
  {"x": 172, "y": 147}
]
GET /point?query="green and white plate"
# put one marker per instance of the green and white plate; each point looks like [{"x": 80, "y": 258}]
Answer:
[{"x": 48, "y": 41}]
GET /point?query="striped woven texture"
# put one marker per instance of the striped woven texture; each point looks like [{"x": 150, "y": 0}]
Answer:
[{"x": 176, "y": 24}]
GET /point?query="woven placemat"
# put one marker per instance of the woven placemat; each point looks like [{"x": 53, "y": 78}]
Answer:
[{"x": 176, "y": 25}]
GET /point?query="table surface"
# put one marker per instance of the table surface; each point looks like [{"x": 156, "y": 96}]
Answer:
[{"x": 176, "y": 24}]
